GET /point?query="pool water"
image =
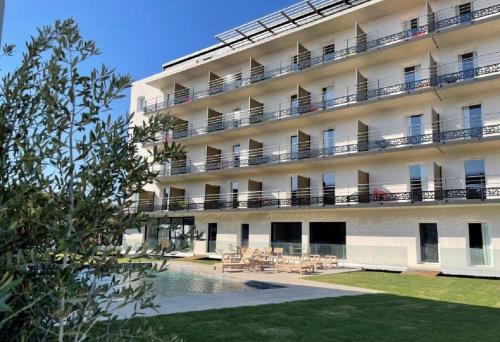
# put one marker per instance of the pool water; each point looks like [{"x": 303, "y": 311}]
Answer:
[{"x": 177, "y": 283}]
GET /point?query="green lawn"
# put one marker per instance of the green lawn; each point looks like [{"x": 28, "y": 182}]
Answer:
[
  {"x": 471, "y": 291},
  {"x": 462, "y": 310}
]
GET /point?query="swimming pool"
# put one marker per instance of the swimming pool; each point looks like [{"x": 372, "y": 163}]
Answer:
[{"x": 179, "y": 283}]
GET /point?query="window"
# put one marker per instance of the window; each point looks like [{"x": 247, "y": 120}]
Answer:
[
  {"x": 417, "y": 177},
  {"x": 140, "y": 103},
  {"x": 212, "y": 237},
  {"x": 237, "y": 117},
  {"x": 245, "y": 234},
  {"x": 328, "y": 238},
  {"x": 294, "y": 147},
  {"x": 328, "y": 95},
  {"x": 415, "y": 129},
  {"x": 411, "y": 27},
  {"x": 236, "y": 155},
  {"x": 464, "y": 11},
  {"x": 294, "y": 184},
  {"x": 412, "y": 76},
  {"x": 475, "y": 180},
  {"x": 329, "y": 51},
  {"x": 473, "y": 120},
  {"x": 234, "y": 194},
  {"x": 294, "y": 104},
  {"x": 329, "y": 188},
  {"x": 479, "y": 244},
  {"x": 466, "y": 61},
  {"x": 429, "y": 244},
  {"x": 329, "y": 142}
]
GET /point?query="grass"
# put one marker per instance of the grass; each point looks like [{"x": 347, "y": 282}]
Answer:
[
  {"x": 485, "y": 292},
  {"x": 381, "y": 317},
  {"x": 415, "y": 308}
]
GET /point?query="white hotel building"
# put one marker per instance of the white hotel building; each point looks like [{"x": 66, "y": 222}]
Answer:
[{"x": 368, "y": 129}]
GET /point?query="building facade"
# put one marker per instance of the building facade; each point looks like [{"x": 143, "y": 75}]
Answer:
[{"x": 367, "y": 129}]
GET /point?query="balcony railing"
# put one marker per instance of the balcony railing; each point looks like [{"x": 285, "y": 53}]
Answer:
[
  {"x": 411, "y": 197},
  {"x": 445, "y": 74},
  {"x": 280, "y": 154},
  {"x": 477, "y": 188},
  {"x": 317, "y": 57}
]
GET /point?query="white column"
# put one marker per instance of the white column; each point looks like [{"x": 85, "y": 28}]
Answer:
[{"x": 305, "y": 237}]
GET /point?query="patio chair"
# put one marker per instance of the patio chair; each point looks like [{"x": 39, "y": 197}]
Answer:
[
  {"x": 330, "y": 261},
  {"x": 232, "y": 261},
  {"x": 316, "y": 261},
  {"x": 278, "y": 252},
  {"x": 301, "y": 266}
]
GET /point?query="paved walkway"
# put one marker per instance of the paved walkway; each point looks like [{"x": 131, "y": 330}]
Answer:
[{"x": 294, "y": 289}]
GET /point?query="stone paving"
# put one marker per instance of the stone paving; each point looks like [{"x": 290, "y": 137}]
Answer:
[{"x": 293, "y": 288}]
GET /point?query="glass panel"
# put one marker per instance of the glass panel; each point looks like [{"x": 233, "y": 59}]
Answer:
[
  {"x": 294, "y": 147},
  {"x": 287, "y": 235},
  {"x": 473, "y": 120},
  {"x": 245, "y": 234},
  {"x": 417, "y": 173},
  {"x": 479, "y": 244},
  {"x": 415, "y": 128},
  {"x": 294, "y": 104},
  {"x": 475, "y": 180},
  {"x": 329, "y": 142},
  {"x": 212, "y": 237},
  {"x": 236, "y": 155},
  {"x": 429, "y": 250},
  {"x": 329, "y": 188},
  {"x": 467, "y": 65},
  {"x": 328, "y": 238}
]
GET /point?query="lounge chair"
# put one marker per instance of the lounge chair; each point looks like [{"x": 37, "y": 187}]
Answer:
[
  {"x": 330, "y": 261},
  {"x": 232, "y": 261},
  {"x": 316, "y": 261},
  {"x": 301, "y": 266}
]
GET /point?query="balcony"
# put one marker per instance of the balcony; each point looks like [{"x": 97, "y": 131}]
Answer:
[
  {"x": 436, "y": 133},
  {"x": 305, "y": 59},
  {"x": 436, "y": 77},
  {"x": 441, "y": 191}
]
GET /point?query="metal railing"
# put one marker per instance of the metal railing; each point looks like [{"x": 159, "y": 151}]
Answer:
[
  {"x": 442, "y": 19},
  {"x": 428, "y": 190},
  {"x": 442, "y": 75},
  {"x": 314, "y": 150}
]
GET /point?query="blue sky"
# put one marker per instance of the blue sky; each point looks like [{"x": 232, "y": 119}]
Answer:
[{"x": 135, "y": 37}]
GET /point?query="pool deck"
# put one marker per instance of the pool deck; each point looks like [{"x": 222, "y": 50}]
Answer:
[{"x": 295, "y": 288}]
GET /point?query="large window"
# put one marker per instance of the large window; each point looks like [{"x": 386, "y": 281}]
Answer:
[
  {"x": 429, "y": 244},
  {"x": 479, "y": 244},
  {"x": 294, "y": 104},
  {"x": 329, "y": 188},
  {"x": 236, "y": 155},
  {"x": 328, "y": 238},
  {"x": 415, "y": 128},
  {"x": 212, "y": 237},
  {"x": 328, "y": 96},
  {"x": 329, "y": 141},
  {"x": 475, "y": 179},
  {"x": 235, "y": 186},
  {"x": 294, "y": 147},
  {"x": 417, "y": 179},
  {"x": 245, "y": 234},
  {"x": 467, "y": 65},
  {"x": 287, "y": 235},
  {"x": 412, "y": 75},
  {"x": 473, "y": 120}
]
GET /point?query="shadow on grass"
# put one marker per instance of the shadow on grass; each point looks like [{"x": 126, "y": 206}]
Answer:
[{"x": 380, "y": 317}]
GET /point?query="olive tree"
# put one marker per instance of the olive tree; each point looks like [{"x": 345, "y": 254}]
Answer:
[{"x": 68, "y": 171}]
